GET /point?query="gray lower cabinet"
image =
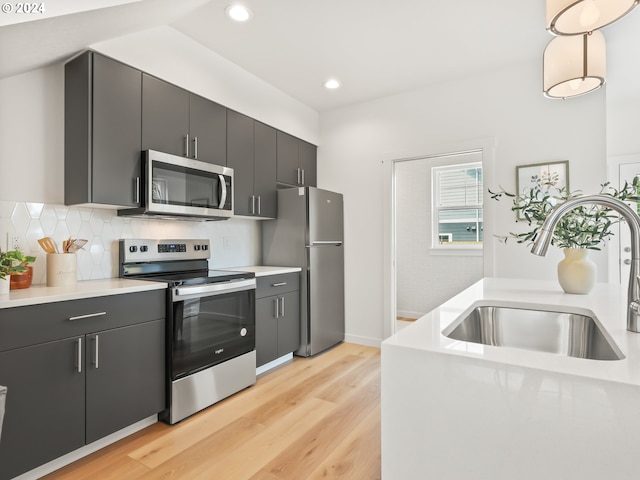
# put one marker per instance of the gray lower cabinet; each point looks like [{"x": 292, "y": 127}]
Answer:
[
  {"x": 277, "y": 316},
  {"x": 251, "y": 152},
  {"x": 72, "y": 379},
  {"x": 297, "y": 161}
]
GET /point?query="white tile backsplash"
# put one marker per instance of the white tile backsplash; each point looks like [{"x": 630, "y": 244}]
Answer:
[{"x": 234, "y": 242}]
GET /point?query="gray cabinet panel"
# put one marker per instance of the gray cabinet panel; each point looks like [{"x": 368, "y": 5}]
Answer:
[
  {"x": 307, "y": 159},
  {"x": 287, "y": 159},
  {"x": 296, "y": 161},
  {"x": 240, "y": 158},
  {"x": 207, "y": 130},
  {"x": 270, "y": 285},
  {"x": 251, "y": 152},
  {"x": 265, "y": 181},
  {"x": 127, "y": 383},
  {"x": 23, "y": 326},
  {"x": 44, "y": 415},
  {"x": 165, "y": 116},
  {"x": 289, "y": 323},
  {"x": 266, "y": 331},
  {"x": 102, "y": 131}
]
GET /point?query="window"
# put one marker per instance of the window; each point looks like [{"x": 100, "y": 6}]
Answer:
[{"x": 457, "y": 205}]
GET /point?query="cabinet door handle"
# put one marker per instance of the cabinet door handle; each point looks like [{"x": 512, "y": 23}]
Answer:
[
  {"x": 298, "y": 175},
  {"x": 136, "y": 189},
  {"x": 88, "y": 315},
  {"x": 282, "y": 307},
  {"x": 96, "y": 350},
  {"x": 253, "y": 204},
  {"x": 302, "y": 175},
  {"x": 79, "y": 355},
  {"x": 186, "y": 145},
  {"x": 195, "y": 148},
  {"x": 277, "y": 314},
  {"x": 281, "y": 284},
  {"x": 259, "y": 205}
]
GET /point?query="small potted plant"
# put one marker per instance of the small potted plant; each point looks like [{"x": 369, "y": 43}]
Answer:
[
  {"x": 584, "y": 228},
  {"x": 15, "y": 271}
]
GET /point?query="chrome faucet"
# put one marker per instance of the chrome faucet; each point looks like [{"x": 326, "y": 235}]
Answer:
[{"x": 541, "y": 244}]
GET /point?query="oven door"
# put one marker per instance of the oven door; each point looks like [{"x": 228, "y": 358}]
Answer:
[{"x": 210, "y": 324}]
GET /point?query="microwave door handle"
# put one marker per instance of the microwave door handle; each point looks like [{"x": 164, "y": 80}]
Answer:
[{"x": 223, "y": 195}]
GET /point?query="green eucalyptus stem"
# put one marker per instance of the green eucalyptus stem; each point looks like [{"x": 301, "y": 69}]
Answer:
[{"x": 587, "y": 226}]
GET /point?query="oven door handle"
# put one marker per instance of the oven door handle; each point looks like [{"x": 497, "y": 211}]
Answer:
[{"x": 180, "y": 293}]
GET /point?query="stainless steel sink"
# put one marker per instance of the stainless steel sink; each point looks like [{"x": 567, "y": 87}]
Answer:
[{"x": 562, "y": 333}]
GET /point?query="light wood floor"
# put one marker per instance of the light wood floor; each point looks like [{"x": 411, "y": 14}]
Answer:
[{"x": 315, "y": 418}]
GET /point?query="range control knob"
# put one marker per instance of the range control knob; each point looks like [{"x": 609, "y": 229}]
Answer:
[
  {"x": 144, "y": 248},
  {"x": 133, "y": 249},
  {"x": 196, "y": 247},
  {"x": 205, "y": 247}
]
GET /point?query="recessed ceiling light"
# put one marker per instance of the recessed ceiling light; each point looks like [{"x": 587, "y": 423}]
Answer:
[
  {"x": 238, "y": 12},
  {"x": 332, "y": 84}
]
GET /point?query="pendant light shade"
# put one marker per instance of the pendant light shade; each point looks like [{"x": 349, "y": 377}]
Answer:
[
  {"x": 574, "y": 65},
  {"x": 575, "y": 17}
]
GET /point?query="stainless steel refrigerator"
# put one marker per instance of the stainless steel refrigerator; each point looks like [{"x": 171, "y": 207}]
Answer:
[{"x": 308, "y": 233}]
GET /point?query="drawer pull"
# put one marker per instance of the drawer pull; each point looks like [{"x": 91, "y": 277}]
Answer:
[
  {"x": 281, "y": 284},
  {"x": 88, "y": 315}
]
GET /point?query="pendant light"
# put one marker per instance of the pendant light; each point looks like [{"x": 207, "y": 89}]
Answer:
[
  {"x": 576, "y": 17},
  {"x": 574, "y": 65}
]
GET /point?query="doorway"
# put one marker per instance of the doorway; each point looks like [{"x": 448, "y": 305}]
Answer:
[{"x": 438, "y": 230}]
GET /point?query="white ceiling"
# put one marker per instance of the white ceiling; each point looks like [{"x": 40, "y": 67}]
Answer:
[{"x": 375, "y": 47}]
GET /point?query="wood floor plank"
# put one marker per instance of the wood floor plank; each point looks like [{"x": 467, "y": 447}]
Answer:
[
  {"x": 357, "y": 457},
  {"x": 314, "y": 416},
  {"x": 318, "y": 443},
  {"x": 271, "y": 411},
  {"x": 257, "y": 452}
]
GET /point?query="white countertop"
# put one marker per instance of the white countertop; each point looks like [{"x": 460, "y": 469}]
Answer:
[
  {"x": 263, "y": 271},
  {"x": 37, "y": 294},
  {"x": 606, "y": 302}
]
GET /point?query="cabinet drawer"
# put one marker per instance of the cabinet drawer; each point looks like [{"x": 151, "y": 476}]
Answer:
[
  {"x": 277, "y": 284},
  {"x": 30, "y": 325}
]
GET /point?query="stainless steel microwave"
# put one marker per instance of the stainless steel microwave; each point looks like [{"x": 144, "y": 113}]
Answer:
[{"x": 182, "y": 188}]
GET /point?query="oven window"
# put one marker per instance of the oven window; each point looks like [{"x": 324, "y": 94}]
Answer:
[
  {"x": 177, "y": 185},
  {"x": 210, "y": 330}
]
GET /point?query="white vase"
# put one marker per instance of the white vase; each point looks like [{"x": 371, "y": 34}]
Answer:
[
  {"x": 576, "y": 272},
  {"x": 5, "y": 283}
]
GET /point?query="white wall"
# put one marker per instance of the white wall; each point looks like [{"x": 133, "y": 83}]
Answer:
[{"x": 505, "y": 105}]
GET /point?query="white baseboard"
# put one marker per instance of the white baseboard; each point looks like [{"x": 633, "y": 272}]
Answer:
[
  {"x": 366, "y": 341},
  {"x": 274, "y": 363},
  {"x": 409, "y": 314},
  {"x": 71, "y": 457}
]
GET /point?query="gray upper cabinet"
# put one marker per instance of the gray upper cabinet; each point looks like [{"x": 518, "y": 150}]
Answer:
[
  {"x": 251, "y": 152},
  {"x": 296, "y": 161},
  {"x": 181, "y": 123},
  {"x": 102, "y": 131}
]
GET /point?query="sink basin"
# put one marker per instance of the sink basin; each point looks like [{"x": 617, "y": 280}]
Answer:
[{"x": 563, "y": 333}]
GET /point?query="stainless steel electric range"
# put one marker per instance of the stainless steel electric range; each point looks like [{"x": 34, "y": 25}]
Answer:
[{"x": 210, "y": 340}]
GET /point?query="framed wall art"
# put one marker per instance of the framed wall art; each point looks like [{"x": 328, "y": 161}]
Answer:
[{"x": 550, "y": 177}]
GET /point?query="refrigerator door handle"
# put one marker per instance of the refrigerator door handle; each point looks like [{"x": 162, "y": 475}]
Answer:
[{"x": 325, "y": 242}]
